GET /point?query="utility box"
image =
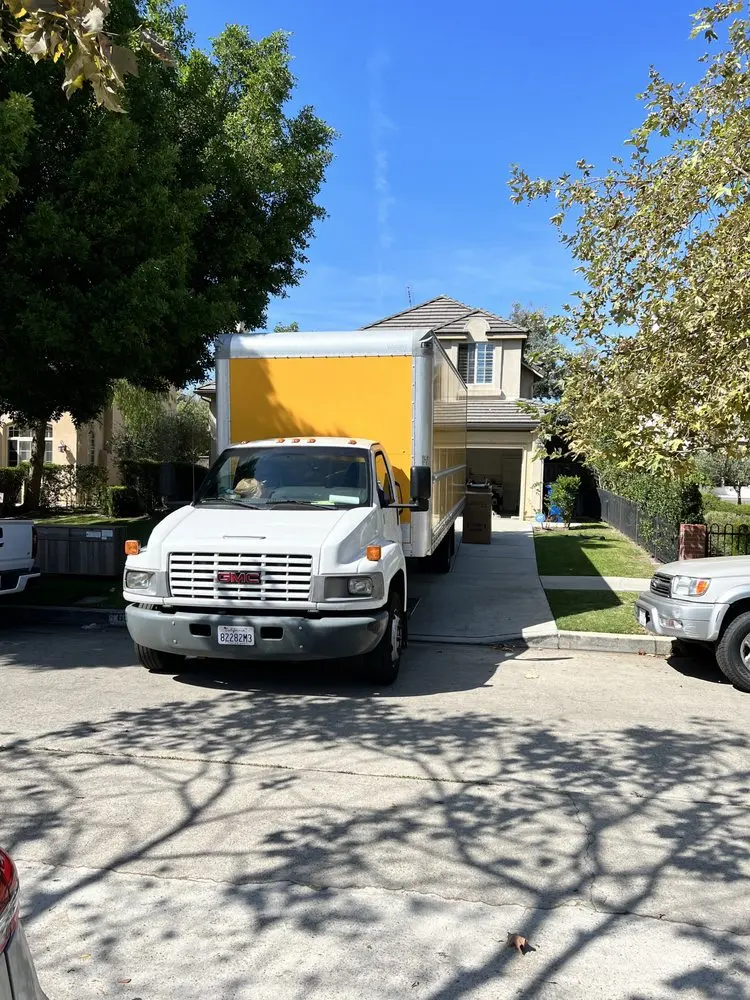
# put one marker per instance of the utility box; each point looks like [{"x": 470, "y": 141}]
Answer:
[{"x": 478, "y": 517}]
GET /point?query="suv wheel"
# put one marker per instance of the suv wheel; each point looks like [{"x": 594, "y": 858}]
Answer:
[
  {"x": 733, "y": 652},
  {"x": 382, "y": 664}
]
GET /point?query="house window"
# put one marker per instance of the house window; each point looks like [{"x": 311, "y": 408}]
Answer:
[
  {"x": 475, "y": 363},
  {"x": 19, "y": 444}
]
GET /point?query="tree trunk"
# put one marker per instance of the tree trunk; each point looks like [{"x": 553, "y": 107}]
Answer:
[{"x": 38, "y": 444}]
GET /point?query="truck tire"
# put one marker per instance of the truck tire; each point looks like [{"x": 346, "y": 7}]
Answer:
[
  {"x": 733, "y": 652},
  {"x": 159, "y": 663},
  {"x": 382, "y": 664},
  {"x": 442, "y": 557}
]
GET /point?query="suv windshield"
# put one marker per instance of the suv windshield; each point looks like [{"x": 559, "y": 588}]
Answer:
[{"x": 278, "y": 477}]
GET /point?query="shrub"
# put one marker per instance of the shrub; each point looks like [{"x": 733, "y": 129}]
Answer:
[
  {"x": 91, "y": 486},
  {"x": 11, "y": 486},
  {"x": 676, "y": 502},
  {"x": 563, "y": 493},
  {"x": 142, "y": 477},
  {"x": 121, "y": 501}
]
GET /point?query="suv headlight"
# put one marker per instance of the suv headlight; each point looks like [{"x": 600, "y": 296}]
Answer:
[
  {"x": 689, "y": 586},
  {"x": 137, "y": 579}
]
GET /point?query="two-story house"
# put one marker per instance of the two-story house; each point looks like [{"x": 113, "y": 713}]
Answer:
[
  {"x": 66, "y": 444},
  {"x": 488, "y": 352}
]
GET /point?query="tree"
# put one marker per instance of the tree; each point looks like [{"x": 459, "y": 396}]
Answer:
[
  {"x": 132, "y": 241},
  {"x": 292, "y": 327},
  {"x": 542, "y": 350},
  {"x": 72, "y": 31},
  {"x": 161, "y": 427},
  {"x": 664, "y": 318},
  {"x": 722, "y": 469}
]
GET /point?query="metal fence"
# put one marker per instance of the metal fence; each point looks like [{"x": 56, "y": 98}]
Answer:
[
  {"x": 657, "y": 536},
  {"x": 728, "y": 539}
]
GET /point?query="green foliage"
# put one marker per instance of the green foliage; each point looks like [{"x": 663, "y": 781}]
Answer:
[
  {"x": 676, "y": 501},
  {"x": 172, "y": 427},
  {"x": 720, "y": 468},
  {"x": 292, "y": 327},
  {"x": 564, "y": 494},
  {"x": 132, "y": 241},
  {"x": 121, "y": 501},
  {"x": 142, "y": 480},
  {"x": 542, "y": 350},
  {"x": 72, "y": 486},
  {"x": 72, "y": 31},
  {"x": 16, "y": 125},
  {"x": 647, "y": 234},
  {"x": 11, "y": 486}
]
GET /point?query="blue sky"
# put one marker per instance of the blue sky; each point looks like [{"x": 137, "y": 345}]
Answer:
[{"x": 433, "y": 102}]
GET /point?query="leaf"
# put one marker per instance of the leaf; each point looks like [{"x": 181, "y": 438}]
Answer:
[
  {"x": 123, "y": 61},
  {"x": 156, "y": 46},
  {"x": 93, "y": 22}
]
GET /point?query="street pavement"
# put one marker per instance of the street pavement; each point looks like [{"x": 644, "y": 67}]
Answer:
[{"x": 289, "y": 833}]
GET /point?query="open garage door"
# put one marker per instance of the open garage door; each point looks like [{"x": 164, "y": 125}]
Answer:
[{"x": 503, "y": 468}]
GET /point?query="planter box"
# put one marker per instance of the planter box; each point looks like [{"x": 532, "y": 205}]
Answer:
[{"x": 98, "y": 550}]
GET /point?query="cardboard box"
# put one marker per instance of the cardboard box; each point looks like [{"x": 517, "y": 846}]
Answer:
[{"x": 478, "y": 518}]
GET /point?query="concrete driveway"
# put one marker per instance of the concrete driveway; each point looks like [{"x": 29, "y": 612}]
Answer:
[{"x": 286, "y": 834}]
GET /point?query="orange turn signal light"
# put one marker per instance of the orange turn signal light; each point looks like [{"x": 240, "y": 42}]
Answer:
[
  {"x": 132, "y": 547},
  {"x": 373, "y": 553},
  {"x": 701, "y": 587}
]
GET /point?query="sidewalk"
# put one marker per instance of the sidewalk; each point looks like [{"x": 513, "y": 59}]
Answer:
[
  {"x": 492, "y": 594},
  {"x": 623, "y": 584}
]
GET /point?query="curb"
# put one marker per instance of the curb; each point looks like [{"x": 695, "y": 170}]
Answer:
[
  {"x": 594, "y": 642},
  {"x": 30, "y": 614}
]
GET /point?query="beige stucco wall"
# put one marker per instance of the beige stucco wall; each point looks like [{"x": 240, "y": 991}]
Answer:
[{"x": 506, "y": 370}]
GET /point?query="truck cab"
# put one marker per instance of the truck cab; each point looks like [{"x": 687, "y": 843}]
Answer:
[{"x": 291, "y": 550}]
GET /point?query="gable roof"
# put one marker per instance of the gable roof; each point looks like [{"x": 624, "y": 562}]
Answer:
[{"x": 445, "y": 315}]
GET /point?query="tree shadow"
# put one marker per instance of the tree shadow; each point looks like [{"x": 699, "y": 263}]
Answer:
[{"x": 460, "y": 806}]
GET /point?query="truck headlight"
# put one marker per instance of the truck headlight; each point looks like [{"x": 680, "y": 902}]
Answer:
[
  {"x": 360, "y": 586},
  {"x": 137, "y": 579},
  {"x": 689, "y": 586}
]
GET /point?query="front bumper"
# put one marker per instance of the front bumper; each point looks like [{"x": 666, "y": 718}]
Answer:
[
  {"x": 277, "y": 637},
  {"x": 698, "y": 621},
  {"x": 14, "y": 581}
]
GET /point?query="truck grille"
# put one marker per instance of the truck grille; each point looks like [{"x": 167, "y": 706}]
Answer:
[
  {"x": 661, "y": 584},
  {"x": 240, "y": 576}
]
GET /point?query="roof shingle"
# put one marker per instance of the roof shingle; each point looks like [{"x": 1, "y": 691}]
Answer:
[{"x": 445, "y": 315}]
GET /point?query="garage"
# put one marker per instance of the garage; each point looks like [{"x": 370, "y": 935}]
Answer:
[{"x": 503, "y": 468}]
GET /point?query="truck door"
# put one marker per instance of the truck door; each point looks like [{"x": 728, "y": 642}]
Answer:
[{"x": 387, "y": 495}]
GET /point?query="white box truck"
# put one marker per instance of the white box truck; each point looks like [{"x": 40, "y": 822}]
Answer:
[{"x": 341, "y": 455}]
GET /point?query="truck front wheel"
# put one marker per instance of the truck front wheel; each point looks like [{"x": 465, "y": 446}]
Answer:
[
  {"x": 733, "y": 652},
  {"x": 158, "y": 662},
  {"x": 382, "y": 664}
]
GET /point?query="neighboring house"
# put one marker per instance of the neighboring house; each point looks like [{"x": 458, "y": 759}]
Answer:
[
  {"x": 66, "y": 444},
  {"x": 488, "y": 352}
]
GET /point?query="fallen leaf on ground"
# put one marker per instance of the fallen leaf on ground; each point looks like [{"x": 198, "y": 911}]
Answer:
[{"x": 519, "y": 943}]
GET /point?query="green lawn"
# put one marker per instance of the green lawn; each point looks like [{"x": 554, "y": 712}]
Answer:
[
  {"x": 591, "y": 550},
  {"x": 594, "y": 611},
  {"x": 71, "y": 591}
]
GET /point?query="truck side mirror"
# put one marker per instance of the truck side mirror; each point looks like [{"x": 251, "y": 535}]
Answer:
[{"x": 421, "y": 485}]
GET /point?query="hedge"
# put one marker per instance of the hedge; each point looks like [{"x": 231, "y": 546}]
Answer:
[
  {"x": 11, "y": 486},
  {"x": 121, "y": 501},
  {"x": 73, "y": 486},
  {"x": 154, "y": 482},
  {"x": 678, "y": 501}
]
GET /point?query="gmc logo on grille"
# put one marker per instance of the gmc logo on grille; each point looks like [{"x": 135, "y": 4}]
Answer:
[{"x": 237, "y": 577}]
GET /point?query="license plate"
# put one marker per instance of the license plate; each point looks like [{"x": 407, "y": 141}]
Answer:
[
  {"x": 236, "y": 635},
  {"x": 642, "y": 617}
]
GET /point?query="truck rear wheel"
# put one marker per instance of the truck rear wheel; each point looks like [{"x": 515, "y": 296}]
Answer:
[
  {"x": 158, "y": 662},
  {"x": 442, "y": 557},
  {"x": 382, "y": 664},
  {"x": 733, "y": 652}
]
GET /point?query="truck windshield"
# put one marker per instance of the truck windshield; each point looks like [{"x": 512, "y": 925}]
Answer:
[{"x": 294, "y": 476}]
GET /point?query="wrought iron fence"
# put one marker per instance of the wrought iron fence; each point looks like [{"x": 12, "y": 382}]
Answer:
[
  {"x": 728, "y": 539},
  {"x": 658, "y": 537}
]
